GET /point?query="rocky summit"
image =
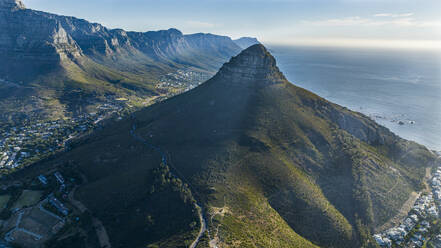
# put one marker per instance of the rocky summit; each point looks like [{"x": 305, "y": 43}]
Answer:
[
  {"x": 11, "y": 4},
  {"x": 255, "y": 64}
]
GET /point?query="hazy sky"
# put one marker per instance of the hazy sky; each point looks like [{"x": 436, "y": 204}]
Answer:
[{"x": 390, "y": 23}]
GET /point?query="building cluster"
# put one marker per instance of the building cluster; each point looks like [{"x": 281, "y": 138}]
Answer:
[
  {"x": 42, "y": 179},
  {"x": 182, "y": 79},
  {"x": 436, "y": 185},
  {"x": 25, "y": 142},
  {"x": 51, "y": 198},
  {"x": 19, "y": 143},
  {"x": 60, "y": 180},
  {"x": 415, "y": 228}
]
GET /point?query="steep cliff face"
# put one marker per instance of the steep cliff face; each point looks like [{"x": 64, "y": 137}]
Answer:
[
  {"x": 31, "y": 46},
  {"x": 254, "y": 63},
  {"x": 33, "y": 43}
]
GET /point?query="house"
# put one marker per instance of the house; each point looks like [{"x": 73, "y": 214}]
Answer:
[
  {"x": 396, "y": 234},
  {"x": 414, "y": 217},
  {"x": 379, "y": 239},
  {"x": 58, "y": 205},
  {"x": 432, "y": 211},
  {"x": 409, "y": 224},
  {"x": 25, "y": 154},
  {"x": 59, "y": 177},
  {"x": 42, "y": 179},
  {"x": 425, "y": 224}
]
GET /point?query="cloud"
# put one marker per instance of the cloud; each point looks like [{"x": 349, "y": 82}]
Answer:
[
  {"x": 351, "y": 42},
  {"x": 347, "y": 21},
  {"x": 360, "y": 21},
  {"x": 394, "y": 15},
  {"x": 199, "y": 24}
]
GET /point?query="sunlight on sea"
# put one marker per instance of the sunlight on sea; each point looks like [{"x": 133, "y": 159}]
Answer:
[{"x": 399, "y": 89}]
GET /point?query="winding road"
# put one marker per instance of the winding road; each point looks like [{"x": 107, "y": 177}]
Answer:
[
  {"x": 202, "y": 220},
  {"x": 203, "y": 227}
]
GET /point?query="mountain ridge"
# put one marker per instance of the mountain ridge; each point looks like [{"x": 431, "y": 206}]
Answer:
[
  {"x": 260, "y": 154},
  {"x": 95, "y": 40},
  {"x": 60, "y": 56}
]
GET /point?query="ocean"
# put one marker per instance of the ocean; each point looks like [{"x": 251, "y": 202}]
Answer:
[{"x": 400, "y": 89}]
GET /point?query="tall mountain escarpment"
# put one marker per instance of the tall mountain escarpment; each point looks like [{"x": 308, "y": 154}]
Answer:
[
  {"x": 30, "y": 46},
  {"x": 57, "y": 60},
  {"x": 41, "y": 40},
  {"x": 272, "y": 165}
]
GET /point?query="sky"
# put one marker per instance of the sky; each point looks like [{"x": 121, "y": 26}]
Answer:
[{"x": 370, "y": 23}]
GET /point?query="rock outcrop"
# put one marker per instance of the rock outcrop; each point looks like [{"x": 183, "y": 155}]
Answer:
[
  {"x": 32, "y": 45},
  {"x": 246, "y": 42},
  {"x": 255, "y": 64},
  {"x": 11, "y": 5}
]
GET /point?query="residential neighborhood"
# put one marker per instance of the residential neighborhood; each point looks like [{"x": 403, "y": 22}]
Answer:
[
  {"x": 25, "y": 143},
  {"x": 421, "y": 227},
  {"x": 182, "y": 80}
]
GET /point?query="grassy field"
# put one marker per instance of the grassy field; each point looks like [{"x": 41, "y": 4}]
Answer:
[
  {"x": 4, "y": 199},
  {"x": 28, "y": 198}
]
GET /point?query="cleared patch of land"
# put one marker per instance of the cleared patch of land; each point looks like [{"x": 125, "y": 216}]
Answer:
[
  {"x": 31, "y": 227},
  {"x": 402, "y": 213},
  {"x": 28, "y": 198},
  {"x": 4, "y": 199},
  {"x": 407, "y": 206}
]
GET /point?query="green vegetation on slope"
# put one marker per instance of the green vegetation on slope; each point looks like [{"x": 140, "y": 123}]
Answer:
[{"x": 273, "y": 164}]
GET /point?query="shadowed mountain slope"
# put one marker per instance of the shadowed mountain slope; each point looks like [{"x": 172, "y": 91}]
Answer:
[{"x": 274, "y": 165}]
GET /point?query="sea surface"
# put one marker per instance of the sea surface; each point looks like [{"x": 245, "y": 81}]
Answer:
[{"x": 400, "y": 89}]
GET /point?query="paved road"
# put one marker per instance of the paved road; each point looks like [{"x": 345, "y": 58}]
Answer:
[
  {"x": 164, "y": 160},
  {"x": 18, "y": 228},
  {"x": 202, "y": 229}
]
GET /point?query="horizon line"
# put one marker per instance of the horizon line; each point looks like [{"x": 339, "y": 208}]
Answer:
[{"x": 432, "y": 45}]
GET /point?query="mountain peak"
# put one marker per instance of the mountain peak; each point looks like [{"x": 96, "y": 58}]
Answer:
[
  {"x": 254, "y": 63},
  {"x": 12, "y": 4},
  {"x": 245, "y": 42}
]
